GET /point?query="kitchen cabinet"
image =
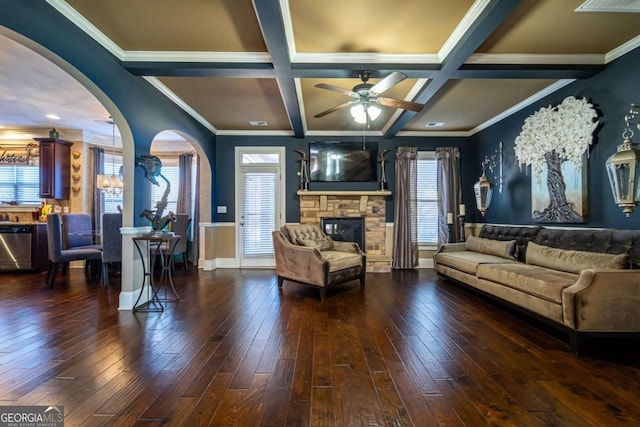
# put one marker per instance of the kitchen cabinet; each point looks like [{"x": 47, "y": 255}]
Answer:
[{"x": 55, "y": 170}]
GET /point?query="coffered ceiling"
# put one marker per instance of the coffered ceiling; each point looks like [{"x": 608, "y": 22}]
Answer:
[{"x": 233, "y": 62}]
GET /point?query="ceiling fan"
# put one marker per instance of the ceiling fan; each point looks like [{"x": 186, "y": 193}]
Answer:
[{"x": 366, "y": 97}]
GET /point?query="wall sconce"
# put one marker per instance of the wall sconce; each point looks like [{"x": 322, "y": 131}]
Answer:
[
  {"x": 483, "y": 189},
  {"x": 623, "y": 168}
]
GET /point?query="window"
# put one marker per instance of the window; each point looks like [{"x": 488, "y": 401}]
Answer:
[
  {"x": 427, "y": 198},
  {"x": 171, "y": 171},
  {"x": 20, "y": 184},
  {"x": 112, "y": 165}
]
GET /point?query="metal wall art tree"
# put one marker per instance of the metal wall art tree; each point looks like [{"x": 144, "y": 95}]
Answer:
[{"x": 553, "y": 135}]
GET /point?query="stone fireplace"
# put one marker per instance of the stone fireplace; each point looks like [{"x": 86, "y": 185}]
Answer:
[{"x": 368, "y": 205}]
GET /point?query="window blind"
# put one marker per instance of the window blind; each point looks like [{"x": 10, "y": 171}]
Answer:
[
  {"x": 427, "y": 198},
  {"x": 172, "y": 173},
  {"x": 111, "y": 166},
  {"x": 20, "y": 184}
]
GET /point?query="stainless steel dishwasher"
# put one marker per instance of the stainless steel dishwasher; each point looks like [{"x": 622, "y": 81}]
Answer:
[{"x": 15, "y": 247}]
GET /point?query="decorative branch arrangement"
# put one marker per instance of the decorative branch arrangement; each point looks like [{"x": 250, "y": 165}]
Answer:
[
  {"x": 383, "y": 174},
  {"x": 553, "y": 135},
  {"x": 304, "y": 175}
]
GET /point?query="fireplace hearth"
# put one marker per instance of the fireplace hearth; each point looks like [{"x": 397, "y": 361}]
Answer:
[{"x": 345, "y": 229}]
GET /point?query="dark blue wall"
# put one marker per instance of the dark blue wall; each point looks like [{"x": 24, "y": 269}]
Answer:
[
  {"x": 611, "y": 92},
  {"x": 147, "y": 111},
  {"x": 225, "y": 168}
]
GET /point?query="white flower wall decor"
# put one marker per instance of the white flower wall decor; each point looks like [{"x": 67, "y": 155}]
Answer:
[{"x": 552, "y": 136}]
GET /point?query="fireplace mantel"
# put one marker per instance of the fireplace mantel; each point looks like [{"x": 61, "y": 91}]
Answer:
[
  {"x": 363, "y": 195},
  {"x": 343, "y": 193}
]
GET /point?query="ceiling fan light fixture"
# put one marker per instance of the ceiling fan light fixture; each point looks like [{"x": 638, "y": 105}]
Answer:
[{"x": 358, "y": 114}]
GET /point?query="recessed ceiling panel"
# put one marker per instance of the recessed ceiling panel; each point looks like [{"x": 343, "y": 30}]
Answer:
[
  {"x": 553, "y": 27},
  {"x": 185, "y": 25},
  {"x": 465, "y": 104},
  {"x": 374, "y": 26},
  {"x": 230, "y": 104},
  {"x": 318, "y": 100}
]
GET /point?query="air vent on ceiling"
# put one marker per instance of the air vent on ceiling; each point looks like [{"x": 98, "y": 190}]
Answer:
[
  {"x": 258, "y": 123},
  {"x": 434, "y": 124},
  {"x": 627, "y": 6}
]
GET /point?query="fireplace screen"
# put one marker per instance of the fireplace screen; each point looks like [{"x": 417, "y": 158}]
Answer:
[{"x": 346, "y": 229}]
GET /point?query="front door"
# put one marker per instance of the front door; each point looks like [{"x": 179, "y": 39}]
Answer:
[{"x": 259, "y": 202}]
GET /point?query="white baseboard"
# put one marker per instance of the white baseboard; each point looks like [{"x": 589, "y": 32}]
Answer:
[
  {"x": 226, "y": 263},
  {"x": 128, "y": 298}
]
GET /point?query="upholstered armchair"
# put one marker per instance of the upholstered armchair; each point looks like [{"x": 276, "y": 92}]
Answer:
[{"x": 305, "y": 254}]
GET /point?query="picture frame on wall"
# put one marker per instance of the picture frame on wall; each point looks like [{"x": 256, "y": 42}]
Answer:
[{"x": 560, "y": 196}]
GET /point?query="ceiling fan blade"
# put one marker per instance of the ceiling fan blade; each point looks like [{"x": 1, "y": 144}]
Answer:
[
  {"x": 386, "y": 83},
  {"x": 397, "y": 103},
  {"x": 338, "y": 89},
  {"x": 331, "y": 110}
]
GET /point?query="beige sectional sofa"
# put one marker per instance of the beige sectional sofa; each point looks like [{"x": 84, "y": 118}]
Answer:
[{"x": 584, "y": 281}]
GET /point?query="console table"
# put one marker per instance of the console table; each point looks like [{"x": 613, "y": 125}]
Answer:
[{"x": 163, "y": 246}]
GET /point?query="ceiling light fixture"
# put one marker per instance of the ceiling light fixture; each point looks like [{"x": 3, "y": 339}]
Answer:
[
  {"x": 52, "y": 117},
  {"x": 111, "y": 185},
  {"x": 359, "y": 115}
]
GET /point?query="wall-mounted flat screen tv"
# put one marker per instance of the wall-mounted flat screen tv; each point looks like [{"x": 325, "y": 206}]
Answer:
[{"x": 331, "y": 161}]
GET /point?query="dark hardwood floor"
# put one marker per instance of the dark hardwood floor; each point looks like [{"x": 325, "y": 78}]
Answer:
[{"x": 409, "y": 349}]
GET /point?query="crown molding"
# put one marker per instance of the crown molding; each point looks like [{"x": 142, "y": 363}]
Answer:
[
  {"x": 365, "y": 58},
  {"x": 622, "y": 49},
  {"x": 522, "y": 104},
  {"x": 547, "y": 59},
  {"x": 255, "y": 133},
  {"x": 71, "y": 14},
  {"x": 179, "y": 102},
  {"x": 472, "y": 15},
  {"x": 188, "y": 56}
]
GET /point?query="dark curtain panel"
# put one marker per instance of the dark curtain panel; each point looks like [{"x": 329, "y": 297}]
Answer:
[
  {"x": 194, "y": 253},
  {"x": 98, "y": 196},
  {"x": 449, "y": 192},
  {"x": 405, "y": 231},
  {"x": 185, "y": 162}
]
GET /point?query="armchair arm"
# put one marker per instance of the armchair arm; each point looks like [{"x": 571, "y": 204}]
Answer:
[
  {"x": 300, "y": 263},
  {"x": 603, "y": 300},
  {"x": 347, "y": 247}
]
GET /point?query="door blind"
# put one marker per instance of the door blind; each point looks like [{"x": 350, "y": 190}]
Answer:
[{"x": 258, "y": 213}]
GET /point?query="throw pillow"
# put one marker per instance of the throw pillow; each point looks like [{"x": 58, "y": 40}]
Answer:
[
  {"x": 504, "y": 249},
  {"x": 320, "y": 243},
  {"x": 573, "y": 261}
]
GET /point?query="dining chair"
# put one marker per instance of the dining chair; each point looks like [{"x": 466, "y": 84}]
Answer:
[
  {"x": 58, "y": 255},
  {"x": 181, "y": 228},
  {"x": 77, "y": 231},
  {"x": 111, "y": 243}
]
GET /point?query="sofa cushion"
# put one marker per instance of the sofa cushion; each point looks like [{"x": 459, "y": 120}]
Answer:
[
  {"x": 541, "y": 282},
  {"x": 522, "y": 236},
  {"x": 467, "y": 261},
  {"x": 341, "y": 260},
  {"x": 573, "y": 261},
  {"x": 320, "y": 243},
  {"x": 504, "y": 249}
]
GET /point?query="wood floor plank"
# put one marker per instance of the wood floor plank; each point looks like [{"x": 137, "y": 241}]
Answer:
[{"x": 410, "y": 349}]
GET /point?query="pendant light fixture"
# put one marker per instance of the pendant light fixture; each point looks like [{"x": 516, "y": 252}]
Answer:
[
  {"x": 623, "y": 168},
  {"x": 112, "y": 185}
]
